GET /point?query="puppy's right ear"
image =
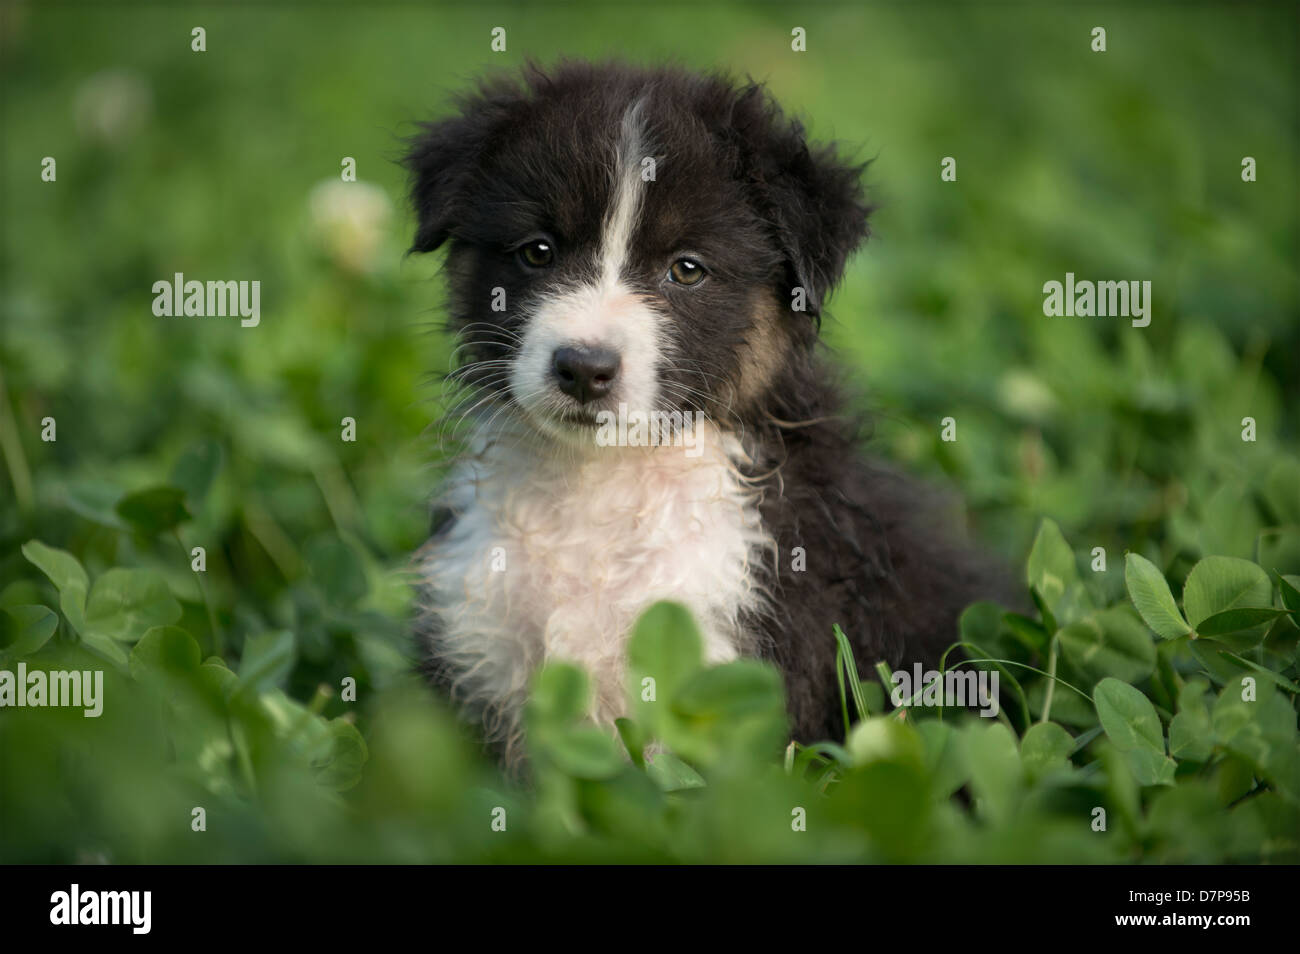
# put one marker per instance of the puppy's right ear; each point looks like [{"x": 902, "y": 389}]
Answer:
[
  {"x": 440, "y": 161},
  {"x": 445, "y": 156}
]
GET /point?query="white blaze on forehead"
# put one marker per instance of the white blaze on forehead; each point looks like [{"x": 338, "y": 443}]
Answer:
[
  {"x": 626, "y": 195},
  {"x": 604, "y": 311}
]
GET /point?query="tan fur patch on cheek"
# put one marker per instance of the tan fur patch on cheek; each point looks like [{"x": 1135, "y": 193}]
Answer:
[{"x": 764, "y": 351}]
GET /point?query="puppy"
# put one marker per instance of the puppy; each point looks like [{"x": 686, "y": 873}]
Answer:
[{"x": 638, "y": 261}]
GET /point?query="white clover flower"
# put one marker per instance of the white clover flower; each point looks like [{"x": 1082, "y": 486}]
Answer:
[
  {"x": 1026, "y": 395},
  {"x": 349, "y": 221},
  {"x": 111, "y": 106}
]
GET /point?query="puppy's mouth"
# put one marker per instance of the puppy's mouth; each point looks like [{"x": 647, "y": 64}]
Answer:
[
  {"x": 582, "y": 418},
  {"x": 566, "y": 422}
]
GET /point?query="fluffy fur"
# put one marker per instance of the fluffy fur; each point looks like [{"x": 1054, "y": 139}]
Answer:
[{"x": 569, "y": 199}]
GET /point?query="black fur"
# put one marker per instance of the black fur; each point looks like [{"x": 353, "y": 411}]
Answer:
[{"x": 739, "y": 185}]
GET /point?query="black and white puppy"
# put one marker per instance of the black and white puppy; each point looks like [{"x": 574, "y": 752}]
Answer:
[{"x": 638, "y": 262}]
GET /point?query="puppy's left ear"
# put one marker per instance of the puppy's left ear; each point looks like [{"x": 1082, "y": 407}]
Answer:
[{"x": 813, "y": 198}]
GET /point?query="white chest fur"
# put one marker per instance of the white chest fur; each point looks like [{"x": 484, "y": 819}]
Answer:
[{"x": 555, "y": 553}]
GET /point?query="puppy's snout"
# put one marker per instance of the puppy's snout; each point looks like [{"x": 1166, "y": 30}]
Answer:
[{"x": 585, "y": 374}]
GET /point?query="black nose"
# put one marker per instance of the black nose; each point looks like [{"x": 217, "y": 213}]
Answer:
[{"x": 585, "y": 373}]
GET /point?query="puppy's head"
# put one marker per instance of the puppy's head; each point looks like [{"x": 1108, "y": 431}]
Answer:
[{"x": 619, "y": 236}]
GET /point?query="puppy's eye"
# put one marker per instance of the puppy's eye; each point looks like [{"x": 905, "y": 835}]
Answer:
[
  {"x": 537, "y": 254},
  {"x": 686, "y": 271}
]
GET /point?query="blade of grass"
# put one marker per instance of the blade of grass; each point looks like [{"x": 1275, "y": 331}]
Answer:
[{"x": 846, "y": 664}]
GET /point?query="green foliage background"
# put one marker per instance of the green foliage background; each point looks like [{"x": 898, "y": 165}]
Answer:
[{"x": 1122, "y": 165}]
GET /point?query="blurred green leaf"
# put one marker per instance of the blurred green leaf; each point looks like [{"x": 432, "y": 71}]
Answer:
[
  {"x": 1290, "y": 588},
  {"x": 1045, "y": 748},
  {"x": 1190, "y": 733},
  {"x": 1110, "y": 642},
  {"x": 267, "y": 661},
  {"x": 1282, "y": 490},
  {"x": 732, "y": 690},
  {"x": 68, "y": 577},
  {"x": 558, "y": 731},
  {"x": 124, "y": 603},
  {"x": 196, "y": 469},
  {"x": 996, "y": 775},
  {"x": 155, "y": 510},
  {"x": 671, "y": 774},
  {"x": 32, "y": 626},
  {"x": 340, "y": 768},
  {"x": 882, "y": 738},
  {"x": 1256, "y": 722},
  {"x": 164, "y": 651},
  {"x": 945, "y": 758},
  {"x": 560, "y": 694},
  {"x": 665, "y": 649},
  {"x": 1131, "y": 723},
  {"x": 96, "y": 500},
  {"x": 584, "y": 751},
  {"x": 1054, "y": 577},
  {"x": 339, "y": 570}
]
